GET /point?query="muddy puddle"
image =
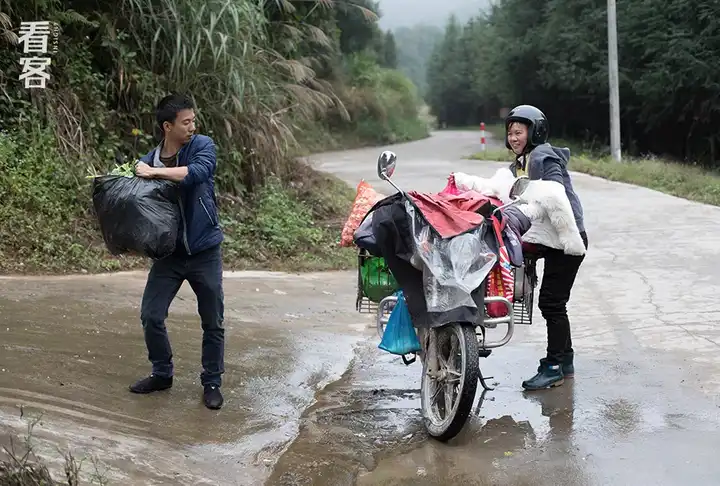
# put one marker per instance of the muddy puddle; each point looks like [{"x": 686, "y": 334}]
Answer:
[
  {"x": 613, "y": 425},
  {"x": 70, "y": 348}
]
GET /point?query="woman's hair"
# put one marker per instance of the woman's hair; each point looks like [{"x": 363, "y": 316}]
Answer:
[{"x": 516, "y": 122}]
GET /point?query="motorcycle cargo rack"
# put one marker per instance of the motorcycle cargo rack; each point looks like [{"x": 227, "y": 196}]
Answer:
[{"x": 523, "y": 299}]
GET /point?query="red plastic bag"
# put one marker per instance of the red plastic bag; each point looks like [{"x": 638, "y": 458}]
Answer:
[
  {"x": 365, "y": 199},
  {"x": 451, "y": 188},
  {"x": 500, "y": 280}
]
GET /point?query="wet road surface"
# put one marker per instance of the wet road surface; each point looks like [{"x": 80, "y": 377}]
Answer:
[
  {"x": 642, "y": 410},
  {"x": 70, "y": 346}
]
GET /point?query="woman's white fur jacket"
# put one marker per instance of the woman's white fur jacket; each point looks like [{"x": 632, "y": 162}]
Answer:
[{"x": 547, "y": 206}]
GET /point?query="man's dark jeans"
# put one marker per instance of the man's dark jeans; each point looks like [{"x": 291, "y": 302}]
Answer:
[
  {"x": 203, "y": 272},
  {"x": 558, "y": 280}
]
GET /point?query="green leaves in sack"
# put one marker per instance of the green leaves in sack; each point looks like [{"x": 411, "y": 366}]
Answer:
[{"x": 126, "y": 170}]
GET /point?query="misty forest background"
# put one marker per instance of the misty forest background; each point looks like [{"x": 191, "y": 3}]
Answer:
[
  {"x": 553, "y": 54},
  {"x": 274, "y": 79}
]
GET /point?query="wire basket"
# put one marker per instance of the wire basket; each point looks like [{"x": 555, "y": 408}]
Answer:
[
  {"x": 524, "y": 292},
  {"x": 375, "y": 282}
]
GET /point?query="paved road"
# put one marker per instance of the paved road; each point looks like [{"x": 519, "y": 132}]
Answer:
[
  {"x": 643, "y": 408},
  {"x": 311, "y": 400},
  {"x": 70, "y": 346}
]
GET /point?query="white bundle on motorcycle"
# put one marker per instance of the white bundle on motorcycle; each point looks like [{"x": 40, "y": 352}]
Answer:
[{"x": 547, "y": 206}]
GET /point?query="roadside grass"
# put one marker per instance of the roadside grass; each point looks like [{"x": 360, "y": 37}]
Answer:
[
  {"x": 687, "y": 181},
  {"x": 292, "y": 224},
  {"x": 463, "y": 128},
  {"x": 21, "y": 466},
  {"x": 492, "y": 155},
  {"x": 494, "y": 130}
]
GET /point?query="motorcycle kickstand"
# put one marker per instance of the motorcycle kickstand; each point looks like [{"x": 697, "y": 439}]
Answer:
[
  {"x": 484, "y": 353},
  {"x": 480, "y": 402},
  {"x": 482, "y": 379}
]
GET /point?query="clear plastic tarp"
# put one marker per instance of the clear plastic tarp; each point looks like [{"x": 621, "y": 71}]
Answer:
[{"x": 452, "y": 268}]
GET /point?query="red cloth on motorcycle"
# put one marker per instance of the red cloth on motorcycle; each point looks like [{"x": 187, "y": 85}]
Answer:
[{"x": 451, "y": 215}]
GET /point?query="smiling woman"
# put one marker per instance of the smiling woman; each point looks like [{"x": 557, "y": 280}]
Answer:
[
  {"x": 527, "y": 136},
  {"x": 517, "y": 134}
]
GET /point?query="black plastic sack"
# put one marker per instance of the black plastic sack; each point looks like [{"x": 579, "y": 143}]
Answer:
[{"x": 136, "y": 215}]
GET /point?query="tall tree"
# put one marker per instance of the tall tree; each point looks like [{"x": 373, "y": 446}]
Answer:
[
  {"x": 554, "y": 54},
  {"x": 389, "y": 51}
]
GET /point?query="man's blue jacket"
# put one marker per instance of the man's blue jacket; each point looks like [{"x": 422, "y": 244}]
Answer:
[{"x": 200, "y": 226}]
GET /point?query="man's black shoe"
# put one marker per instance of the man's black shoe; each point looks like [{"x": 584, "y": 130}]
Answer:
[
  {"x": 212, "y": 397},
  {"x": 151, "y": 384}
]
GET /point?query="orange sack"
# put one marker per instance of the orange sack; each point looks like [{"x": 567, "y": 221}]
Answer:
[{"x": 365, "y": 199}]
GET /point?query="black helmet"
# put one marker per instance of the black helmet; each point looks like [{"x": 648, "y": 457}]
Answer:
[{"x": 538, "y": 127}]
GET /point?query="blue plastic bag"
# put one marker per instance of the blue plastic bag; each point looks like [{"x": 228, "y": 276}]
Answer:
[{"x": 400, "y": 336}]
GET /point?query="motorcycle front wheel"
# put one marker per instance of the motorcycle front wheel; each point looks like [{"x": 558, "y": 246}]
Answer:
[{"x": 449, "y": 381}]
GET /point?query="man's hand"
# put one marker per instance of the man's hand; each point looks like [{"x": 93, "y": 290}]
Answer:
[
  {"x": 174, "y": 174},
  {"x": 144, "y": 170}
]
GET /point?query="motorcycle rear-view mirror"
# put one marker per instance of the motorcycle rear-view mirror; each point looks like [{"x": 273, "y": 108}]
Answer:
[
  {"x": 516, "y": 191},
  {"x": 386, "y": 165},
  {"x": 519, "y": 187}
]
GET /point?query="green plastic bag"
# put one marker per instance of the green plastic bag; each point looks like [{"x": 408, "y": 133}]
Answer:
[{"x": 377, "y": 280}]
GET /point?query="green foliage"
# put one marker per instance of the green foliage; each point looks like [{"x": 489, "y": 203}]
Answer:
[
  {"x": 383, "y": 103},
  {"x": 414, "y": 48},
  {"x": 283, "y": 227},
  {"x": 287, "y": 225},
  {"x": 554, "y": 55},
  {"x": 218, "y": 51},
  {"x": 388, "y": 58},
  {"x": 450, "y": 86},
  {"x": 260, "y": 73},
  {"x": 44, "y": 207},
  {"x": 356, "y": 33},
  {"x": 382, "y": 107}
]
